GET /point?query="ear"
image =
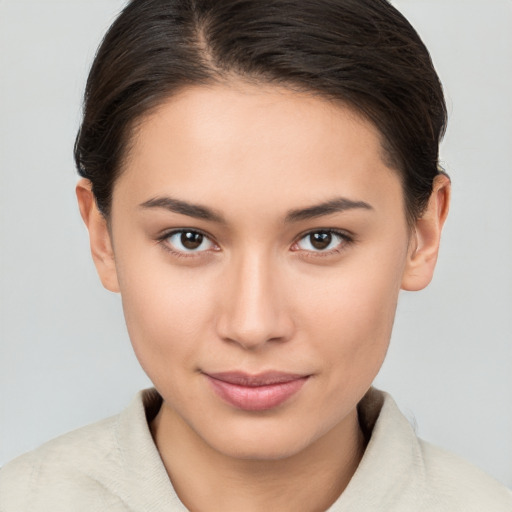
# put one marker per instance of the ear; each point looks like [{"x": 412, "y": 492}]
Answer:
[
  {"x": 99, "y": 236},
  {"x": 424, "y": 246}
]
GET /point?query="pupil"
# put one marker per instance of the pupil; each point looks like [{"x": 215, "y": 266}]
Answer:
[
  {"x": 321, "y": 240},
  {"x": 191, "y": 240}
]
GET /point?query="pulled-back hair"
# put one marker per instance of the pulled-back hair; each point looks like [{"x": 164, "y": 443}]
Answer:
[{"x": 363, "y": 53}]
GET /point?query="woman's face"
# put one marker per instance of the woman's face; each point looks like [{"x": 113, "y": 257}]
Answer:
[{"x": 260, "y": 244}]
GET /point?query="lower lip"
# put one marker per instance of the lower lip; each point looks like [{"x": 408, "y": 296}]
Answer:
[{"x": 259, "y": 398}]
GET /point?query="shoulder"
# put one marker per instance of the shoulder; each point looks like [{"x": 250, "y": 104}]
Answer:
[
  {"x": 111, "y": 465},
  {"x": 67, "y": 470},
  {"x": 400, "y": 472},
  {"x": 452, "y": 481}
]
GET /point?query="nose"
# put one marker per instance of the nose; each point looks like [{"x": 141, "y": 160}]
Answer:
[{"x": 254, "y": 310}]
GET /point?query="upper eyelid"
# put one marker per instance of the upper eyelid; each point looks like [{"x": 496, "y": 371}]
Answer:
[
  {"x": 169, "y": 232},
  {"x": 340, "y": 232}
]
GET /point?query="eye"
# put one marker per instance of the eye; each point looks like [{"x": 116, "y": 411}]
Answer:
[
  {"x": 322, "y": 241},
  {"x": 188, "y": 241}
]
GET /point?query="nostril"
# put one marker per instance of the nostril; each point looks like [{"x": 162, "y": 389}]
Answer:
[
  {"x": 255, "y": 333},
  {"x": 251, "y": 339}
]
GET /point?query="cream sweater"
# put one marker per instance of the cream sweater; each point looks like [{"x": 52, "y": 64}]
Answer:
[{"x": 114, "y": 466}]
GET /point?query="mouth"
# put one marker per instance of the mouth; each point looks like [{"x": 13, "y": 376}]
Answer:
[{"x": 256, "y": 392}]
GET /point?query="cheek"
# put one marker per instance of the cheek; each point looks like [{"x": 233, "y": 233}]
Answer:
[
  {"x": 166, "y": 312},
  {"x": 351, "y": 316},
  {"x": 357, "y": 329}
]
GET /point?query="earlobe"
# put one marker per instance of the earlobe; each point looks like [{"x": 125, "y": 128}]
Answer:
[
  {"x": 99, "y": 236},
  {"x": 424, "y": 247}
]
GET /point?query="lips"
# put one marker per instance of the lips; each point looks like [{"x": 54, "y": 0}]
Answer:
[{"x": 256, "y": 392}]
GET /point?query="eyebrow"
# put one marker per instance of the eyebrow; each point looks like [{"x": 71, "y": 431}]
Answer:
[
  {"x": 336, "y": 205},
  {"x": 184, "y": 208}
]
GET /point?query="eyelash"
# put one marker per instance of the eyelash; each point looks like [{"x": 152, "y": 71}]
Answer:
[
  {"x": 163, "y": 241},
  {"x": 346, "y": 240}
]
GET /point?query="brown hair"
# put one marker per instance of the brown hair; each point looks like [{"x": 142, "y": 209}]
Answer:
[{"x": 361, "y": 52}]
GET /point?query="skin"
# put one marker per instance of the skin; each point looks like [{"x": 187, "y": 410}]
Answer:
[{"x": 257, "y": 295}]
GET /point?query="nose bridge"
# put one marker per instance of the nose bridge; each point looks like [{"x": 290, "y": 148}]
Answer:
[{"x": 253, "y": 310}]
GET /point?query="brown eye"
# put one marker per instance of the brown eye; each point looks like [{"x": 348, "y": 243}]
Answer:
[
  {"x": 189, "y": 241},
  {"x": 322, "y": 241}
]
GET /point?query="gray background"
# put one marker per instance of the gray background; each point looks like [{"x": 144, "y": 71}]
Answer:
[{"x": 65, "y": 359}]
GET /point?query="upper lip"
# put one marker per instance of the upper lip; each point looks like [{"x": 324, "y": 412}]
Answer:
[{"x": 261, "y": 379}]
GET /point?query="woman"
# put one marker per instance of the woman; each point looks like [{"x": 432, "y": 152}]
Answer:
[{"x": 260, "y": 179}]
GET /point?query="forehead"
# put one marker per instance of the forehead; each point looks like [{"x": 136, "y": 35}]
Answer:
[{"x": 259, "y": 144}]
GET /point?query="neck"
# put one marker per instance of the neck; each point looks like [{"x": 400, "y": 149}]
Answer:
[{"x": 206, "y": 479}]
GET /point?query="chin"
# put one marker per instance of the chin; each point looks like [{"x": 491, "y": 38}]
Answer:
[
  {"x": 255, "y": 451},
  {"x": 269, "y": 441}
]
